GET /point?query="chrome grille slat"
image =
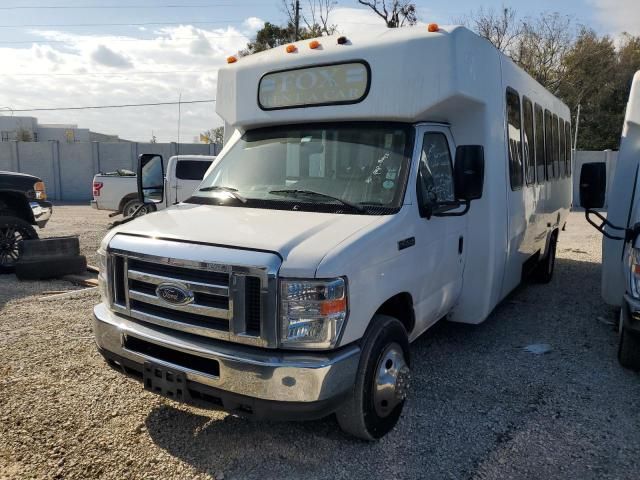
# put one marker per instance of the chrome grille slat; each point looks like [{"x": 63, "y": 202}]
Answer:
[
  {"x": 211, "y": 289},
  {"x": 177, "y": 325},
  {"x": 190, "y": 308}
]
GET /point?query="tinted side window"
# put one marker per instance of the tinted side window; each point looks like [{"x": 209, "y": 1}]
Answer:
[
  {"x": 567, "y": 133},
  {"x": 191, "y": 169},
  {"x": 436, "y": 168},
  {"x": 540, "y": 145},
  {"x": 554, "y": 133},
  {"x": 561, "y": 138},
  {"x": 528, "y": 142},
  {"x": 548, "y": 149},
  {"x": 514, "y": 135}
]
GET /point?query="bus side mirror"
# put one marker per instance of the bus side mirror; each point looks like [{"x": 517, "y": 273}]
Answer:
[
  {"x": 150, "y": 178},
  {"x": 593, "y": 185},
  {"x": 468, "y": 173}
]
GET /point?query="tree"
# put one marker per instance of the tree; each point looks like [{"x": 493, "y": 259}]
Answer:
[
  {"x": 23, "y": 135},
  {"x": 501, "y": 29},
  {"x": 314, "y": 15},
  {"x": 395, "y": 13},
  {"x": 213, "y": 135}
]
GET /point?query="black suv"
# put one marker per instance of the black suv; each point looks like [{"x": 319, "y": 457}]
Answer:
[{"x": 23, "y": 204}]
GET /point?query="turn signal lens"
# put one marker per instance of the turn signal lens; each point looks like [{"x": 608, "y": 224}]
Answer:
[
  {"x": 433, "y": 27},
  {"x": 232, "y": 59},
  {"x": 40, "y": 191},
  {"x": 313, "y": 44},
  {"x": 291, "y": 48}
]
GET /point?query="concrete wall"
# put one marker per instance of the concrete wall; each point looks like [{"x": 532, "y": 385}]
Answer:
[
  {"x": 68, "y": 168},
  {"x": 584, "y": 156}
]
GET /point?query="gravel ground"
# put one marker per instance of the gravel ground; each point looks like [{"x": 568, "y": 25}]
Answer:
[{"x": 481, "y": 406}]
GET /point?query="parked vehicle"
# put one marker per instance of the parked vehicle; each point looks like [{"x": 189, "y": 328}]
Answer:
[
  {"x": 118, "y": 191},
  {"x": 621, "y": 227},
  {"x": 336, "y": 227},
  {"x": 23, "y": 204}
]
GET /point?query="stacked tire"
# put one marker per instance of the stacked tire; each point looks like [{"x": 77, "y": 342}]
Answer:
[{"x": 50, "y": 258}]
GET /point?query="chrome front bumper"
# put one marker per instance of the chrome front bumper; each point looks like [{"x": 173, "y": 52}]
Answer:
[
  {"x": 41, "y": 212},
  {"x": 257, "y": 373}
]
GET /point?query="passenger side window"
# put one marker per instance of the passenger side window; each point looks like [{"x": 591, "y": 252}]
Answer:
[
  {"x": 436, "y": 168},
  {"x": 548, "y": 142},
  {"x": 561, "y": 138},
  {"x": 515, "y": 138},
  {"x": 567, "y": 132},
  {"x": 191, "y": 169},
  {"x": 540, "y": 168},
  {"x": 555, "y": 145},
  {"x": 528, "y": 143}
]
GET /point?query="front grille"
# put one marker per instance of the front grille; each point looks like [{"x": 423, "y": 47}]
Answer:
[{"x": 219, "y": 304}]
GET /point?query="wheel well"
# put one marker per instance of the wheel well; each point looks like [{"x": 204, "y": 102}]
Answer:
[
  {"x": 16, "y": 204},
  {"x": 125, "y": 199},
  {"x": 400, "y": 306}
]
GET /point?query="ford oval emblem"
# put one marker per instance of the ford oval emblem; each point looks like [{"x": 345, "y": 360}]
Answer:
[{"x": 174, "y": 294}]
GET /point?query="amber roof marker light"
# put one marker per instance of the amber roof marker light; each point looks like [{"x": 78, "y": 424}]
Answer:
[
  {"x": 433, "y": 27},
  {"x": 313, "y": 44},
  {"x": 291, "y": 48},
  {"x": 232, "y": 59}
]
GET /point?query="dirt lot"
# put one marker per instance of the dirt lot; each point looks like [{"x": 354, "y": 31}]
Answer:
[{"x": 481, "y": 406}]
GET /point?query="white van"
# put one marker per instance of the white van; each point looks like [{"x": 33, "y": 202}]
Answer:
[
  {"x": 621, "y": 227},
  {"x": 370, "y": 187}
]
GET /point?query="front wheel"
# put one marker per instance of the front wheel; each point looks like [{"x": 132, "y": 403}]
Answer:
[
  {"x": 382, "y": 381},
  {"x": 545, "y": 269},
  {"x": 629, "y": 347},
  {"x": 13, "y": 231}
]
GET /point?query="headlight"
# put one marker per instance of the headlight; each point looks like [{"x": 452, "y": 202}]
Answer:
[
  {"x": 312, "y": 312},
  {"x": 103, "y": 286}
]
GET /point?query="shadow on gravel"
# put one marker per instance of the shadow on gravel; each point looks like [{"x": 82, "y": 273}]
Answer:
[{"x": 478, "y": 400}]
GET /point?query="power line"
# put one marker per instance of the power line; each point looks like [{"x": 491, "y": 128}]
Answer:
[
  {"x": 67, "y": 25},
  {"x": 99, "y": 107},
  {"x": 118, "y": 40},
  {"x": 118, "y": 7},
  {"x": 166, "y": 72}
]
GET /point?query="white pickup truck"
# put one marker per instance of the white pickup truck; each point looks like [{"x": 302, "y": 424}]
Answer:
[{"x": 118, "y": 191}]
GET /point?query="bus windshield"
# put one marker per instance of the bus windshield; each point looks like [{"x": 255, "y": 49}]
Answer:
[{"x": 357, "y": 167}]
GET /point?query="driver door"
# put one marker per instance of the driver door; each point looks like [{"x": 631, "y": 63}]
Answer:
[{"x": 441, "y": 240}]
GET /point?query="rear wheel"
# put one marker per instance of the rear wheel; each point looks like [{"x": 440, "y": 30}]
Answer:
[
  {"x": 382, "y": 381},
  {"x": 544, "y": 272},
  {"x": 13, "y": 231},
  {"x": 629, "y": 347},
  {"x": 132, "y": 205}
]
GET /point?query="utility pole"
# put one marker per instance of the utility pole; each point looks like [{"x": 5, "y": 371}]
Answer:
[{"x": 297, "y": 20}]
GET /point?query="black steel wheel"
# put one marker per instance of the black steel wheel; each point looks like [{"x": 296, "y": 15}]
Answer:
[{"x": 13, "y": 231}]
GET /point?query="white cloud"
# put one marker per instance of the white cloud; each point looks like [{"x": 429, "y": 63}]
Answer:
[
  {"x": 108, "y": 69},
  {"x": 619, "y": 15},
  {"x": 355, "y": 20},
  {"x": 253, "y": 24}
]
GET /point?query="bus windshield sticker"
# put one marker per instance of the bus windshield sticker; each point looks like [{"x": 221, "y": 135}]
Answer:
[{"x": 335, "y": 84}]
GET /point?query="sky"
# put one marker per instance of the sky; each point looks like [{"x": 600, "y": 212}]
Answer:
[{"x": 64, "y": 53}]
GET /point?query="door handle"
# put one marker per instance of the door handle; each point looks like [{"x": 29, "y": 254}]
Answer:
[{"x": 460, "y": 245}]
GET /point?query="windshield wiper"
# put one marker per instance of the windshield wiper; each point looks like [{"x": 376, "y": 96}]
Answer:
[
  {"x": 230, "y": 190},
  {"x": 353, "y": 206}
]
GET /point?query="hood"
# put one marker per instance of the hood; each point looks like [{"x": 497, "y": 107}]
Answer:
[{"x": 302, "y": 239}]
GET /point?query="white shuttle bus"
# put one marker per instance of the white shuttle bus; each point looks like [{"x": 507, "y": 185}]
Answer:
[
  {"x": 621, "y": 228},
  {"x": 370, "y": 186}
]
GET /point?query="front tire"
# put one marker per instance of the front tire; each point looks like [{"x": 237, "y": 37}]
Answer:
[
  {"x": 544, "y": 272},
  {"x": 13, "y": 230},
  {"x": 629, "y": 347},
  {"x": 382, "y": 381}
]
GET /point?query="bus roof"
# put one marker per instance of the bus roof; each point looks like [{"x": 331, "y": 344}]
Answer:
[{"x": 402, "y": 74}]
